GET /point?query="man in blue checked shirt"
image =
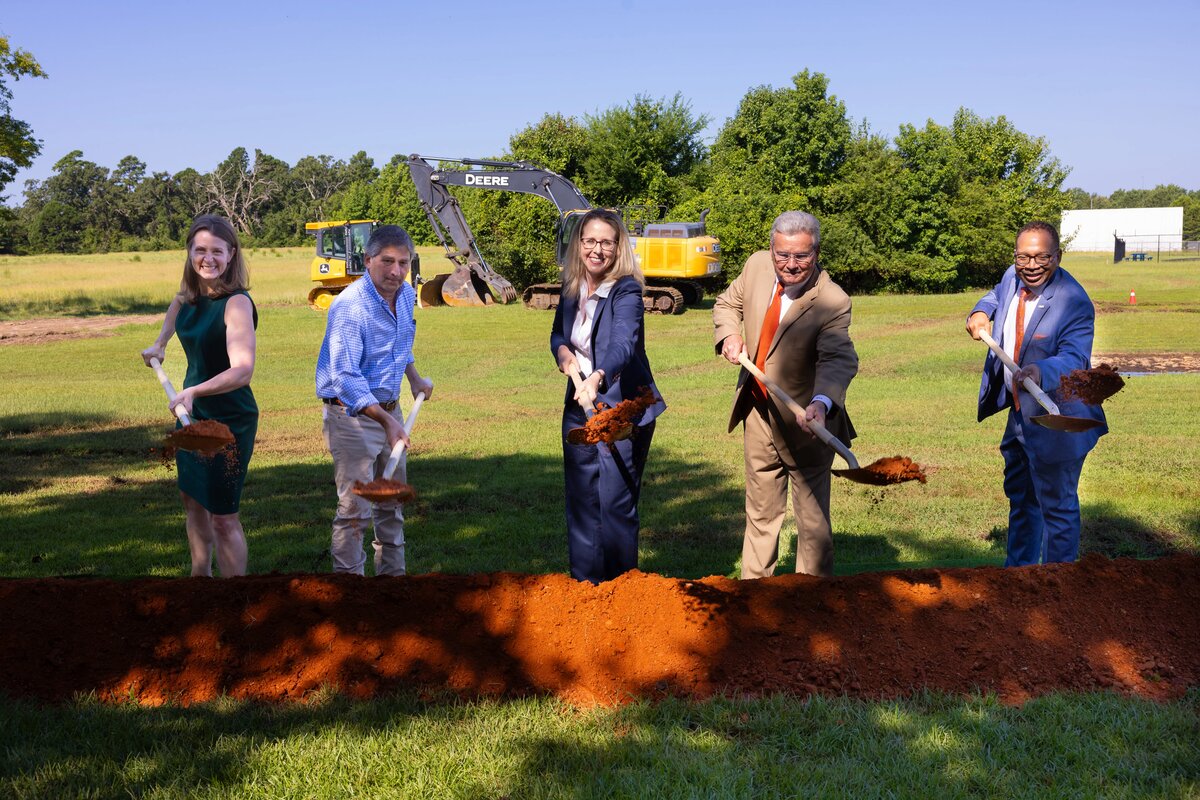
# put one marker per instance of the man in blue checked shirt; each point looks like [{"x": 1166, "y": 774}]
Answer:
[{"x": 366, "y": 353}]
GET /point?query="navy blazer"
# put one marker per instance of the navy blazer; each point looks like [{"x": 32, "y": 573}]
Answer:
[
  {"x": 618, "y": 345},
  {"x": 1058, "y": 339}
]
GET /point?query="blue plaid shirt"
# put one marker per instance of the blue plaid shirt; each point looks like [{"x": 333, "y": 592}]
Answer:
[{"x": 366, "y": 347}]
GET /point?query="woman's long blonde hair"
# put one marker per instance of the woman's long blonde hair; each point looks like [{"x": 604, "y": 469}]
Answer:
[
  {"x": 624, "y": 263},
  {"x": 235, "y": 279}
]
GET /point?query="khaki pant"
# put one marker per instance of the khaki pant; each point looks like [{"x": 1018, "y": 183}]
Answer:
[
  {"x": 770, "y": 468},
  {"x": 360, "y": 451}
]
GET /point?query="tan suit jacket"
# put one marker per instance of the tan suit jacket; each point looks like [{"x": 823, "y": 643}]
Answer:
[{"x": 811, "y": 353}]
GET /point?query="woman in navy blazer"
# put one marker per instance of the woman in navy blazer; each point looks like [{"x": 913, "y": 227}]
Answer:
[{"x": 598, "y": 327}]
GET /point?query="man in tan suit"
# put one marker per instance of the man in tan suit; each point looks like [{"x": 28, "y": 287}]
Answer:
[{"x": 811, "y": 357}]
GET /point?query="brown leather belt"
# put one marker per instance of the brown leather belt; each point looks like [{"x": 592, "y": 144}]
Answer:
[{"x": 389, "y": 406}]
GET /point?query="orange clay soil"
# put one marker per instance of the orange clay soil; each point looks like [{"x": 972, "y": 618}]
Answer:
[
  {"x": 203, "y": 436},
  {"x": 1092, "y": 386},
  {"x": 1126, "y": 625},
  {"x": 886, "y": 471},
  {"x": 610, "y": 424},
  {"x": 382, "y": 491}
]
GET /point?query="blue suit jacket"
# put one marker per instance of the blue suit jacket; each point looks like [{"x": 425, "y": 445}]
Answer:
[
  {"x": 1058, "y": 339},
  {"x": 618, "y": 345}
]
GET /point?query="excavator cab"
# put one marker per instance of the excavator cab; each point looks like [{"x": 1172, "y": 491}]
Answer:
[{"x": 341, "y": 258}]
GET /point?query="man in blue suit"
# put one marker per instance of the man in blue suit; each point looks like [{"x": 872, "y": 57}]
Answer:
[{"x": 1042, "y": 317}]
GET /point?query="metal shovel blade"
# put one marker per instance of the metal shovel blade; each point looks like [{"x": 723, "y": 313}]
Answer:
[
  {"x": 885, "y": 472},
  {"x": 204, "y": 436},
  {"x": 1052, "y": 420},
  {"x": 383, "y": 489},
  {"x": 1057, "y": 422}
]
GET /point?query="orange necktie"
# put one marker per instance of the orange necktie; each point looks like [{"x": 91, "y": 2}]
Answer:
[
  {"x": 1020, "y": 335},
  {"x": 769, "y": 327}
]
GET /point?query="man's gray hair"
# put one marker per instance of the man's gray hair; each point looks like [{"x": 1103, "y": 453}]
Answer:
[
  {"x": 389, "y": 236},
  {"x": 790, "y": 223}
]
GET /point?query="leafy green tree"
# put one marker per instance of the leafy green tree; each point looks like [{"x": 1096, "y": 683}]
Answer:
[
  {"x": 779, "y": 152},
  {"x": 1161, "y": 196},
  {"x": 392, "y": 199},
  {"x": 18, "y": 147},
  {"x": 241, "y": 192},
  {"x": 77, "y": 195},
  {"x": 361, "y": 168},
  {"x": 643, "y": 153},
  {"x": 970, "y": 186},
  {"x": 1082, "y": 199}
]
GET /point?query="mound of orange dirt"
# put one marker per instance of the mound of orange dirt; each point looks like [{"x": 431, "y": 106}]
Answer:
[{"x": 1125, "y": 625}]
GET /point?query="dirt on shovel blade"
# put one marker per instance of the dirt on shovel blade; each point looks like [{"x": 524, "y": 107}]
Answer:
[
  {"x": 1092, "y": 386},
  {"x": 885, "y": 471},
  {"x": 202, "y": 436},
  {"x": 385, "y": 491},
  {"x": 613, "y": 424}
]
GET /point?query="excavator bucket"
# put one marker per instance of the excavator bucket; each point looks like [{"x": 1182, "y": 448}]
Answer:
[
  {"x": 431, "y": 291},
  {"x": 476, "y": 285}
]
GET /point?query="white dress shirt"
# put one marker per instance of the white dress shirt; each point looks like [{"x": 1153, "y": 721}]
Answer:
[{"x": 585, "y": 319}]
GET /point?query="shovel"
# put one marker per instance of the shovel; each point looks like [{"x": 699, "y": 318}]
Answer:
[
  {"x": 1052, "y": 419},
  {"x": 385, "y": 489},
  {"x": 205, "y": 436},
  {"x": 881, "y": 472},
  {"x": 581, "y": 435}
]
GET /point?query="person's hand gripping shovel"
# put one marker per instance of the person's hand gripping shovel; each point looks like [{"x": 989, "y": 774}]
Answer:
[
  {"x": 206, "y": 436},
  {"x": 1052, "y": 419},
  {"x": 384, "y": 489},
  {"x": 599, "y": 427},
  {"x": 881, "y": 472}
]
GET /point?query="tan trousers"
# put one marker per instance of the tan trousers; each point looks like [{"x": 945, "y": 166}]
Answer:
[
  {"x": 360, "y": 452},
  {"x": 770, "y": 468}
]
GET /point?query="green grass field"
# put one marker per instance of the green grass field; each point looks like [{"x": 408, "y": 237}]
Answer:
[{"x": 81, "y": 493}]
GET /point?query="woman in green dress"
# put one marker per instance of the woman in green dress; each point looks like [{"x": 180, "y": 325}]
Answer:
[{"x": 215, "y": 319}]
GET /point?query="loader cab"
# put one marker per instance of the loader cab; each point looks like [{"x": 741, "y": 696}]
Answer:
[
  {"x": 338, "y": 240},
  {"x": 340, "y": 258}
]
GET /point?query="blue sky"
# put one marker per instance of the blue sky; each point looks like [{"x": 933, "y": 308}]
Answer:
[{"x": 1109, "y": 85}]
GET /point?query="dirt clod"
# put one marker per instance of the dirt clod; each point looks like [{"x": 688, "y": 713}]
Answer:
[
  {"x": 384, "y": 491},
  {"x": 886, "y": 471},
  {"x": 1127, "y": 624},
  {"x": 1092, "y": 386},
  {"x": 611, "y": 424},
  {"x": 202, "y": 436}
]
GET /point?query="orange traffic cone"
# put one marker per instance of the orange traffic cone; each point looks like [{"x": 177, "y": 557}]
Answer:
[{"x": 1132, "y": 297}]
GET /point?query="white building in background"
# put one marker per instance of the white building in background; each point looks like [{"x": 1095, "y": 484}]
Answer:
[{"x": 1143, "y": 229}]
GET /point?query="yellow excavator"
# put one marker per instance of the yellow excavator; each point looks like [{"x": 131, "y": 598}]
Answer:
[
  {"x": 339, "y": 262},
  {"x": 674, "y": 256}
]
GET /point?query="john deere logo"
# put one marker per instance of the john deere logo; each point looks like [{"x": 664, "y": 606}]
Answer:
[{"x": 323, "y": 269}]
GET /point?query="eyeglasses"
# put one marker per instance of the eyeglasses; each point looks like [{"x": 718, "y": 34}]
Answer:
[
  {"x": 800, "y": 258},
  {"x": 605, "y": 245},
  {"x": 1041, "y": 259}
]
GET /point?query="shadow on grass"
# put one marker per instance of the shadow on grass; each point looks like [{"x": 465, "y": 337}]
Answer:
[
  {"x": 1105, "y": 530},
  {"x": 484, "y": 514},
  {"x": 929, "y": 746},
  {"x": 81, "y": 304}
]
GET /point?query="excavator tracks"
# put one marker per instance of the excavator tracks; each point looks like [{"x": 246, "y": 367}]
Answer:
[{"x": 655, "y": 299}]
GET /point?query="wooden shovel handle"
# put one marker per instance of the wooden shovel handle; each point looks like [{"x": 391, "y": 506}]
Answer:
[
  {"x": 1043, "y": 399},
  {"x": 577, "y": 379},
  {"x": 394, "y": 459},
  {"x": 179, "y": 411},
  {"x": 799, "y": 412}
]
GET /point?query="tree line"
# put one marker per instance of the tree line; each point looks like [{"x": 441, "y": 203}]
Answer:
[{"x": 931, "y": 209}]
